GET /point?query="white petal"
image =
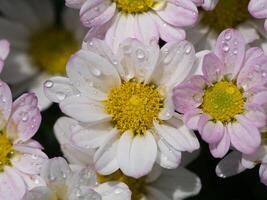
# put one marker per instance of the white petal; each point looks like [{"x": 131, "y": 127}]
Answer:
[
  {"x": 178, "y": 183},
  {"x": 114, "y": 191},
  {"x": 12, "y": 186},
  {"x": 137, "y": 60},
  {"x": 58, "y": 88},
  {"x": 176, "y": 64},
  {"x": 92, "y": 74},
  {"x": 105, "y": 158},
  {"x": 230, "y": 165},
  {"x": 136, "y": 154},
  {"x": 84, "y": 109}
]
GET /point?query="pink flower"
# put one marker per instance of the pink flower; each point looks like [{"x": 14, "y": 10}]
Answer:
[
  {"x": 258, "y": 8},
  {"x": 225, "y": 104},
  {"x": 20, "y": 156},
  {"x": 146, "y": 20}
]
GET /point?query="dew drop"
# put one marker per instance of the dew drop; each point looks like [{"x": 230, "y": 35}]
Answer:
[
  {"x": 228, "y": 35},
  {"x": 188, "y": 48},
  {"x": 140, "y": 54},
  {"x": 226, "y": 48},
  {"x": 60, "y": 95},
  {"x": 235, "y": 52},
  {"x": 118, "y": 191},
  {"x": 96, "y": 72},
  {"x": 48, "y": 84}
]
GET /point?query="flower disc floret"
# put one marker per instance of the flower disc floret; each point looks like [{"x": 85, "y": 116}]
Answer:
[
  {"x": 223, "y": 101},
  {"x": 134, "y": 6},
  {"x": 6, "y": 151},
  {"x": 134, "y": 106},
  {"x": 51, "y": 49},
  {"x": 227, "y": 13},
  {"x": 137, "y": 186}
]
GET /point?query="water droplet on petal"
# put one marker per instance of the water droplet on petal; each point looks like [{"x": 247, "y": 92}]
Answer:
[
  {"x": 140, "y": 54},
  {"x": 226, "y": 48},
  {"x": 118, "y": 191},
  {"x": 188, "y": 48},
  {"x": 60, "y": 95},
  {"x": 96, "y": 72},
  {"x": 228, "y": 35},
  {"x": 48, "y": 84}
]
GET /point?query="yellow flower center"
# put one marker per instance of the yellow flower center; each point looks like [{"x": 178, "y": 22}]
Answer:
[
  {"x": 6, "y": 151},
  {"x": 51, "y": 48},
  {"x": 223, "y": 101},
  {"x": 227, "y": 13},
  {"x": 134, "y": 106},
  {"x": 137, "y": 6},
  {"x": 137, "y": 186}
]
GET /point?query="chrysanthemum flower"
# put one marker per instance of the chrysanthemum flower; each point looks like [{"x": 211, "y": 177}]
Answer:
[
  {"x": 222, "y": 14},
  {"x": 125, "y": 106},
  {"x": 258, "y": 8},
  {"x": 65, "y": 184},
  {"x": 40, "y": 48},
  {"x": 225, "y": 103},
  {"x": 144, "y": 20},
  {"x": 158, "y": 184},
  {"x": 20, "y": 156}
]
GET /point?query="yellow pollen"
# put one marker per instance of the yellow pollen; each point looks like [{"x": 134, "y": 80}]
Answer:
[
  {"x": 134, "y": 106},
  {"x": 51, "y": 48},
  {"x": 137, "y": 6},
  {"x": 137, "y": 186},
  {"x": 223, "y": 101},
  {"x": 227, "y": 14},
  {"x": 6, "y": 151}
]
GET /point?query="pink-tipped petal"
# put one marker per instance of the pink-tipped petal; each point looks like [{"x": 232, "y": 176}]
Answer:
[
  {"x": 230, "y": 48},
  {"x": 254, "y": 72},
  {"x": 77, "y": 4},
  {"x": 192, "y": 117},
  {"x": 212, "y": 132},
  {"x": 258, "y": 8},
  {"x": 213, "y": 68},
  {"x": 187, "y": 97},
  {"x": 186, "y": 10},
  {"x": 244, "y": 137},
  {"x": 25, "y": 117},
  {"x": 219, "y": 149},
  {"x": 5, "y": 104}
]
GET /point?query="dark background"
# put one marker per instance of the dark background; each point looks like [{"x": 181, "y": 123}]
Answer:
[{"x": 245, "y": 186}]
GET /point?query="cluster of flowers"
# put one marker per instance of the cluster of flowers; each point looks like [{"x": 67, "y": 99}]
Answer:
[{"x": 132, "y": 106}]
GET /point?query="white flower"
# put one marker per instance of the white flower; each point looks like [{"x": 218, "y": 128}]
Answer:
[
  {"x": 158, "y": 184},
  {"x": 124, "y": 104},
  {"x": 64, "y": 184},
  {"x": 225, "y": 14},
  {"x": 39, "y": 47}
]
